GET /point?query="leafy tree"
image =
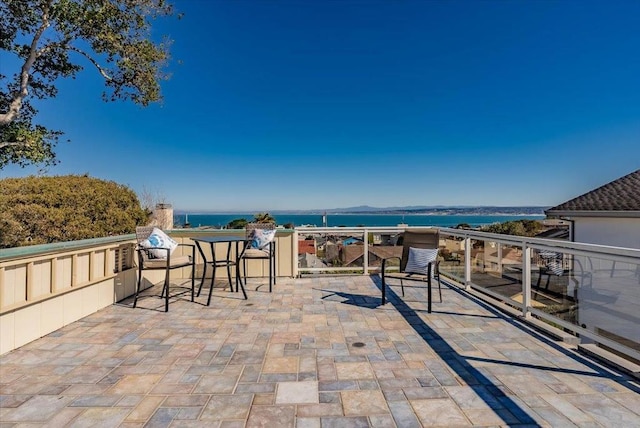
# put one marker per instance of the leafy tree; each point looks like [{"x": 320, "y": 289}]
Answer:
[
  {"x": 463, "y": 226},
  {"x": 238, "y": 223},
  {"x": 40, "y": 210},
  {"x": 51, "y": 39},
  {"x": 517, "y": 228},
  {"x": 264, "y": 218}
]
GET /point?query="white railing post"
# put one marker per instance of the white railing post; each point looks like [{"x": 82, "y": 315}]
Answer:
[
  {"x": 526, "y": 280},
  {"x": 467, "y": 262},
  {"x": 365, "y": 260},
  {"x": 295, "y": 254}
]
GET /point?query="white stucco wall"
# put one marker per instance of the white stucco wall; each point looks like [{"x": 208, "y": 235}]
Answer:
[
  {"x": 610, "y": 296},
  {"x": 617, "y": 232}
]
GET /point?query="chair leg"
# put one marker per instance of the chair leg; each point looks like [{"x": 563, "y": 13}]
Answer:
[
  {"x": 384, "y": 286},
  {"x": 193, "y": 281},
  {"x": 244, "y": 271},
  {"x": 270, "y": 276},
  {"x": 239, "y": 280},
  {"x": 166, "y": 290},
  {"x": 229, "y": 277},
  {"x": 439, "y": 288},
  {"x": 429, "y": 294},
  {"x": 244, "y": 293},
  {"x": 213, "y": 277},
  {"x": 546, "y": 285},
  {"x": 402, "y": 286},
  {"x": 275, "y": 274},
  {"x": 135, "y": 299}
]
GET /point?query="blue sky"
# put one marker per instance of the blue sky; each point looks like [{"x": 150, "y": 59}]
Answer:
[{"x": 325, "y": 104}]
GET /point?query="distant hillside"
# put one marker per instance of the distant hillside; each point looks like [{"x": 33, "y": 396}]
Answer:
[
  {"x": 426, "y": 210},
  {"x": 434, "y": 210}
]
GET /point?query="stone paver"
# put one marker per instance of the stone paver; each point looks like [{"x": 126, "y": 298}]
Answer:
[{"x": 317, "y": 352}]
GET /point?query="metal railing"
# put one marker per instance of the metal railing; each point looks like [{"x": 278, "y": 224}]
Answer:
[{"x": 590, "y": 291}]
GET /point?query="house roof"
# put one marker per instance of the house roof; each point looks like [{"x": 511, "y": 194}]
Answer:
[
  {"x": 619, "y": 198},
  {"x": 306, "y": 246}
]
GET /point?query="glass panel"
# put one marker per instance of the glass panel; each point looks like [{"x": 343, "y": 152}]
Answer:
[
  {"x": 599, "y": 294},
  {"x": 452, "y": 257},
  {"x": 384, "y": 245},
  {"x": 331, "y": 250},
  {"x": 609, "y": 296},
  {"x": 497, "y": 267},
  {"x": 554, "y": 281}
]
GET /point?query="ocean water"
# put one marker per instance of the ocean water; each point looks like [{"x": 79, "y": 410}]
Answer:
[{"x": 354, "y": 220}]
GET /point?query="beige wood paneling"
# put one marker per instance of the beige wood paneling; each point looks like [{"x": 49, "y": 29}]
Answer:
[
  {"x": 63, "y": 273},
  {"x": 14, "y": 285},
  {"x": 41, "y": 282},
  {"x": 7, "y": 332}
]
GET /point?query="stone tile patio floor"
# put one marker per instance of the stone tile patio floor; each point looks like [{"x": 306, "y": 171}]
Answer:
[{"x": 317, "y": 352}]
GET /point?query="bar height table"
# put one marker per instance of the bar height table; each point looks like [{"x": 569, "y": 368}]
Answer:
[{"x": 216, "y": 262}]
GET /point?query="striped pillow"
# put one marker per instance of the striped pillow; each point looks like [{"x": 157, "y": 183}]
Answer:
[
  {"x": 555, "y": 267},
  {"x": 419, "y": 259},
  {"x": 549, "y": 255}
]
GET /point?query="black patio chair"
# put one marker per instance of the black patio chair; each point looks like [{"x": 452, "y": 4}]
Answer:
[
  {"x": 418, "y": 239},
  {"x": 147, "y": 260},
  {"x": 260, "y": 252}
]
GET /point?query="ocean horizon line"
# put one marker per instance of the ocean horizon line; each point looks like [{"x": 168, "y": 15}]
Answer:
[
  {"x": 244, "y": 213},
  {"x": 354, "y": 219}
]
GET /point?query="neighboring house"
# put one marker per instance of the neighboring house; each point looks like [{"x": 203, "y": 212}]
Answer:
[
  {"x": 385, "y": 238},
  {"x": 310, "y": 261},
  {"x": 353, "y": 255},
  {"x": 306, "y": 246},
  {"x": 352, "y": 240},
  {"x": 607, "y": 291},
  {"x": 608, "y": 215}
]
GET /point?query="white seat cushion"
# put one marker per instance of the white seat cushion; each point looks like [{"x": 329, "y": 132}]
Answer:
[
  {"x": 161, "y": 263},
  {"x": 255, "y": 253}
]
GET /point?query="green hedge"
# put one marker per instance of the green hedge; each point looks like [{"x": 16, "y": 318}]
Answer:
[{"x": 43, "y": 210}]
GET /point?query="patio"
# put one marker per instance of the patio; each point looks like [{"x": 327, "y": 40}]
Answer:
[{"x": 317, "y": 352}]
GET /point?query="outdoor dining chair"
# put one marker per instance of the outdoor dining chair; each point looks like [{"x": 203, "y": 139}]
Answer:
[
  {"x": 260, "y": 245},
  {"x": 154, "y": 251},
  {"x": 419, "y": 261}
]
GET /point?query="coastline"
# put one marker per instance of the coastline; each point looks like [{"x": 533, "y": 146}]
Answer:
[{"x": 357, "y": 220}]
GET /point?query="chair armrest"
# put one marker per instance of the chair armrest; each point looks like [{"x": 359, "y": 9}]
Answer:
[
  {"x": 384, "y": 263},
  {"x": 193, "y": 250}
]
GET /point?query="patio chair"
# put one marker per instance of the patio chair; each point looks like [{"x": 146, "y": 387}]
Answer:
[
  {"x": 154, "y": 256},
  {"x": 553, "y": 264},
  {"x": 260, "y": 245},
  {"x": 419, "y": 261}
]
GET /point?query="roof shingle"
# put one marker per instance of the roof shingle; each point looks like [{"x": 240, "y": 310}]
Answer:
[{"x": 621, "y": 195}]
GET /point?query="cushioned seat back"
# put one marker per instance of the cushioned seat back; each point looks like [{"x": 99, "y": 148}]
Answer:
[
  {"x": 417, "y": 238},
  {"x": 251, "y": 226},
  {"x": 142, "y": 233}
]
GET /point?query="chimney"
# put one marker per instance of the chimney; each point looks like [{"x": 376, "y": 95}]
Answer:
[{"x": 163, "y": 216}]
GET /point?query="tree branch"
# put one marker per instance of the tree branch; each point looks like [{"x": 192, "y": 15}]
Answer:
[
  {"x": 16, "y": 103},
  {"x": 4, "y": 144},
  {"x": 93, "y": 61}
]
